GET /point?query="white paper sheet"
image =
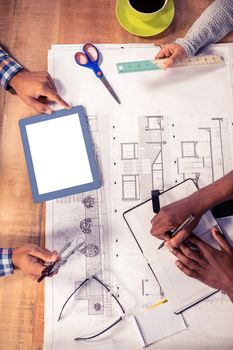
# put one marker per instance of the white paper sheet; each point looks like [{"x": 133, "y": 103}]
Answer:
[
  {"x": 158, "y": 323},
  {"x": 170, "y": 126}
]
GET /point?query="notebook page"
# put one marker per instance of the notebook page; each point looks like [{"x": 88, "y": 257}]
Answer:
[{"x": 158, "y": 323}]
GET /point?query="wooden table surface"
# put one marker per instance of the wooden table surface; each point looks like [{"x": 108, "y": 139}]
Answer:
[{"x": 27, "y": 30}]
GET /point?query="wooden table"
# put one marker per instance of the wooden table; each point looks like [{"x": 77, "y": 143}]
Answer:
[{"x": 28, "y": 28}]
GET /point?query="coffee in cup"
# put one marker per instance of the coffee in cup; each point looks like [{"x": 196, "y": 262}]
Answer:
[{"x": 147, "y": 6}]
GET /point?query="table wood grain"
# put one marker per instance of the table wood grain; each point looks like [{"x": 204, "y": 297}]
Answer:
[{"x": 27, "y": 30}]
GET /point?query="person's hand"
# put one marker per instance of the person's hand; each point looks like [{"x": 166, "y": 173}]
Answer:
[
  {"x": 31, "y": 258},
  {"x": 173, "y": 53},
  {"x": 37, "y": 89},
  {"x": 172, "y": 215},
  {"x": 209, "y": 265}
]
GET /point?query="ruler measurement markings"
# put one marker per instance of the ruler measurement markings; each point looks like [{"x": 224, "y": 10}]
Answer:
[{"x": 146, "y": 65}]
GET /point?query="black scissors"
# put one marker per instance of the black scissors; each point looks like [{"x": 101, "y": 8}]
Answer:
[{"x": 55, "y": 266}]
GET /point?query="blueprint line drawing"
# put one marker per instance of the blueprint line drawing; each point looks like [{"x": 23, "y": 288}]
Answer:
[
  {"x": 130, "y": 187},
  {"x": 201, "y": 155},
  {"x": 143, "y": 160},
  {"x": 129, "y": 151},
  {"x": 154, "y": 138}
]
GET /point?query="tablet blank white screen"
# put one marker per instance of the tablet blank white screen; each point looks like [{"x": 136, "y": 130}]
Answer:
[{"x": 59, "y": 154}]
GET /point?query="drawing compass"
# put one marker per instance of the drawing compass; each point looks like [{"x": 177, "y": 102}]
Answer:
[{"x": 55, "y": 266}]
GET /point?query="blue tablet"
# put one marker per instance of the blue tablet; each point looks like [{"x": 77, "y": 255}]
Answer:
[{"x": 59, "y": 154}]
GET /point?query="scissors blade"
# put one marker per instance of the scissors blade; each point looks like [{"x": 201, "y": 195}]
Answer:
[{"x": 110, "y": 89}]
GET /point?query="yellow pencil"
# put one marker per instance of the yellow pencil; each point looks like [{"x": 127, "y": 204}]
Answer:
[{"x": 157, "y": 304}]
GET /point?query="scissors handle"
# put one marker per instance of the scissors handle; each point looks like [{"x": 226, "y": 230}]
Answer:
[
  {"x": 89, "y": 58},
  {"x": 92, "y": 52}
]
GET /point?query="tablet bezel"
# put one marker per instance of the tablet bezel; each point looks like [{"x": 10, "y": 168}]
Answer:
[{"x": 37, "y": 197}]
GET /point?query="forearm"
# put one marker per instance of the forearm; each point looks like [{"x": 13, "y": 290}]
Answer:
[
  {"x": 6, "y": 265},
  {"x": 215, "y": 193},
  {"x": 214, "y": 23},
  {"x": 8, "y": 68}
]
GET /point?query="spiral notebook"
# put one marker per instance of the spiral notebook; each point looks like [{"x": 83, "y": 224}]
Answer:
[{"x": 157, "y": 323}]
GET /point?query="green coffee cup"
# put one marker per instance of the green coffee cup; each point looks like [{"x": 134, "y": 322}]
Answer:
[{"x": 145, "y": 17}]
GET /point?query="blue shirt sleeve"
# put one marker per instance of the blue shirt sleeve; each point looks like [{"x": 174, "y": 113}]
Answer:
[
  {"x": 8, "y": 68},
  {"x": 6, "y": 266}
]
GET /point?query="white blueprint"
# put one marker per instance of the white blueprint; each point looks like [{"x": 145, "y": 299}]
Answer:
[{"x": 171, "y": 125}]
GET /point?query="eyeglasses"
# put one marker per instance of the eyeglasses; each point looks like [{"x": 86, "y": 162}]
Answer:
[{"x": 111, "y": 294}]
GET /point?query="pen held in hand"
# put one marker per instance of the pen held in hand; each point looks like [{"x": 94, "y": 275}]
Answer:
[{"x": 180, "y": 228}]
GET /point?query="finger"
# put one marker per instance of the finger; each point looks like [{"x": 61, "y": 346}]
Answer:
[
  {"x": 169, "y": 62},
  {"x": 198, "y": 242},
  {"x": 161, "y": 235},
  {"x": 54, "y": 97},
  {"x": 160, "y": 226},
  {"x": 189, "y": 253},
  {"x": 191, "y": 264},
  {"x": 186, "y": 270},
  {"x": 176, "y": 241},
  {"x": 206, "y": 250},
  {"x": 161, "y": 53},
  {"x": 53, "y": 252},
  {"x": 43, "y": 254},
  {"x": 168, "y": 52},
  {"x": 38, "y": 106},
  {"x": 221, "y": 240},
  {"x": 164, "y": 237},
  {"x": 52, "y": 83},
  {"x": 156, "y": 220}
]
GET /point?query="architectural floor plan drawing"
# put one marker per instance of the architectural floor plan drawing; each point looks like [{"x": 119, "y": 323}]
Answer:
[
  {"x": 170, "y": 126},
  {"x": 143, "y": 160},
  {"x": 204, "y": 154}
]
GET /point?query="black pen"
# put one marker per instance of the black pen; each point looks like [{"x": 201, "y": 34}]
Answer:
[{"x": 179, "y": 228}]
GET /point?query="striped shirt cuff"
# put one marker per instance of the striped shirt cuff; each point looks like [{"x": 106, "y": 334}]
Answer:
[
  {"x": 6, "y": 266},
  {"x": 8, "y": 68}
]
